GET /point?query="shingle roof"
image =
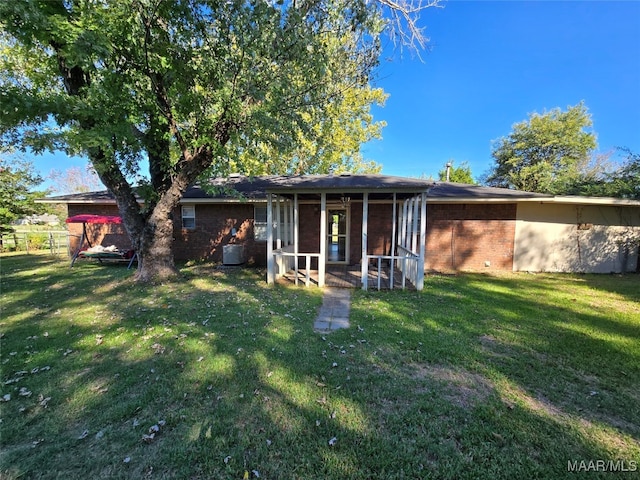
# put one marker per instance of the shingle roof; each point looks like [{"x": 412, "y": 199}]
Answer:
[
  {"x": 365, "y": 182},
  {"x": 102, "y": 196},
  {"x": 255, "y": 188},
  {"x": 449, "y": 190}
]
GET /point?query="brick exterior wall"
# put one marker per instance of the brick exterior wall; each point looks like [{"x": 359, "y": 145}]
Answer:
[
  {"x": 459, "y": 237},
  {"x": 213, "y": 231},
  {"x": 205, "y": 242},
  {"x": 379, "y": 230},
  {"x": 466, "y": 237}
]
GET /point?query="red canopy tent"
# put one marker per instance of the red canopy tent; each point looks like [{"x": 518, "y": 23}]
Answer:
[
  {"x": 86, "y": 218},
  {"x": 98, "y": 219}
]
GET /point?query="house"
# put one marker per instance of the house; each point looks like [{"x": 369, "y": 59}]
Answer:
[
  {"x": 44, "y": 219},
  {"x": 388, "y": 230}
]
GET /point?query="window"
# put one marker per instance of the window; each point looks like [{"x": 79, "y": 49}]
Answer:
[
  {"x": 260, "y": 223},
  {"x": 189, "y": 217}
]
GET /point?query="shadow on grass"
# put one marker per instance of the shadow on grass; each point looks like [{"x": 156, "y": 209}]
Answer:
[{"x": 470, "y": 379}]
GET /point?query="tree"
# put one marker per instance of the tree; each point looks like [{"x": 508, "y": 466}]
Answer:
[
  {"x": 461, "y": 174},
  {"x": 334, "y": 146},
  {"x": 544, "y": 154},
  {"x": 74, "y": 180},
  {"x": 621, "y": 181},
  {"x": 193, "y": 88},
  {"x": 17, "y": 197},
  {"x": 627, "y": 178}
]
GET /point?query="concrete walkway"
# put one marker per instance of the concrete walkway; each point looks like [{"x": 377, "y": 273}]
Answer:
[{"x": 334, "y": 313}]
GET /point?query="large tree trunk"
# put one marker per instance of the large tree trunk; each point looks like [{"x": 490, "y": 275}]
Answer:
[
  {"x": 155, "y": 247},
  {"x": 154, "y": 241},
  {"x": 149, "y": 226}
]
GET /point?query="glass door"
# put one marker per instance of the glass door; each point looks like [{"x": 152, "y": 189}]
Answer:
[{"x": 337, "y": 235}]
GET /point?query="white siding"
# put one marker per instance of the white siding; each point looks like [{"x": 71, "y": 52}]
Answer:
[{"x": 575, "y": 238}]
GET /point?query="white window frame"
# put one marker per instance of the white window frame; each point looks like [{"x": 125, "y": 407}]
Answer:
[
  {"x": 189, "y": 217},
  {"x": 260, "y": 222}
]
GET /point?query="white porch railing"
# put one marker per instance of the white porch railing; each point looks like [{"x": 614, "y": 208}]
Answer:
[
  {"x": 407, "y": 263},
  {"x": 287, "y": 260}
]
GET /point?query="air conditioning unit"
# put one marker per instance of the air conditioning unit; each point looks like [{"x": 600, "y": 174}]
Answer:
[{"x": 232, "y": 254}]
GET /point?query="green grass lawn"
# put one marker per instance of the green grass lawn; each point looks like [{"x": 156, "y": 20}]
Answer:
[{"x": 218, "y": 374}]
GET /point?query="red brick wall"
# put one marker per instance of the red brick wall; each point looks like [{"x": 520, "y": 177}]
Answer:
[
  {"x": 213, "y": 232},
  {"x": 459, "y": 237},
  {"x": 379, "y": 230},
  {"x": 465, "y": 237},
  {"x": 205, "y": 242},
  {"x": 309, "y": 230}
]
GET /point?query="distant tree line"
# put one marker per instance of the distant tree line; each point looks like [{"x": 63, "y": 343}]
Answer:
[{"x": 555, "y": 153}]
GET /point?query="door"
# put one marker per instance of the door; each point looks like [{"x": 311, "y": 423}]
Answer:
[{"x": 337, "y": 235}]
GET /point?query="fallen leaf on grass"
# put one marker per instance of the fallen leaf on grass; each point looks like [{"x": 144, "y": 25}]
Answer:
[
  {"x": 6, "y": 397},
  {"x": 83, "y": 435},
  {"x": 153, "y": 430},
  {"x": 333, "y": 441},
  {"x": 24, "y": 392}
]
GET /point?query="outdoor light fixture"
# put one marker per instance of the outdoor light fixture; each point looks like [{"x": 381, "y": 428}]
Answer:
[{"x": 345, "y": 201}]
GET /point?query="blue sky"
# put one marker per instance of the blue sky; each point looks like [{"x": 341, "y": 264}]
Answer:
[
  {"x": 494, "y": 63},
  {"x": 491, "y": 64}
]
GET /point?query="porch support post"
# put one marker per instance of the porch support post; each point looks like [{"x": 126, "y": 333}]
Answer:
[
  {"x": 393, "y": 241},
  {"x": 423, "y": 240},
  {"x": 365, "y": 261},
  {"x": 278, "y": 223},
  {"x": 291, "y": 222},
  {"x": 323, "y": 239},
  {"x": 296, "y": 234},
  {"x": 285, "y": 222},
  {"x": 271, "y": 274},
  {"x": 414, "y": 225},
  {"x": 403, "y": 232}
]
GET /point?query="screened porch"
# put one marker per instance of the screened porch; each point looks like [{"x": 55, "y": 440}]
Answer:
[{"x": 330, "y": 235}]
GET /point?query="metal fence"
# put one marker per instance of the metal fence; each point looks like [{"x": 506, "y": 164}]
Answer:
[{"x": 57, "y": 242}]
